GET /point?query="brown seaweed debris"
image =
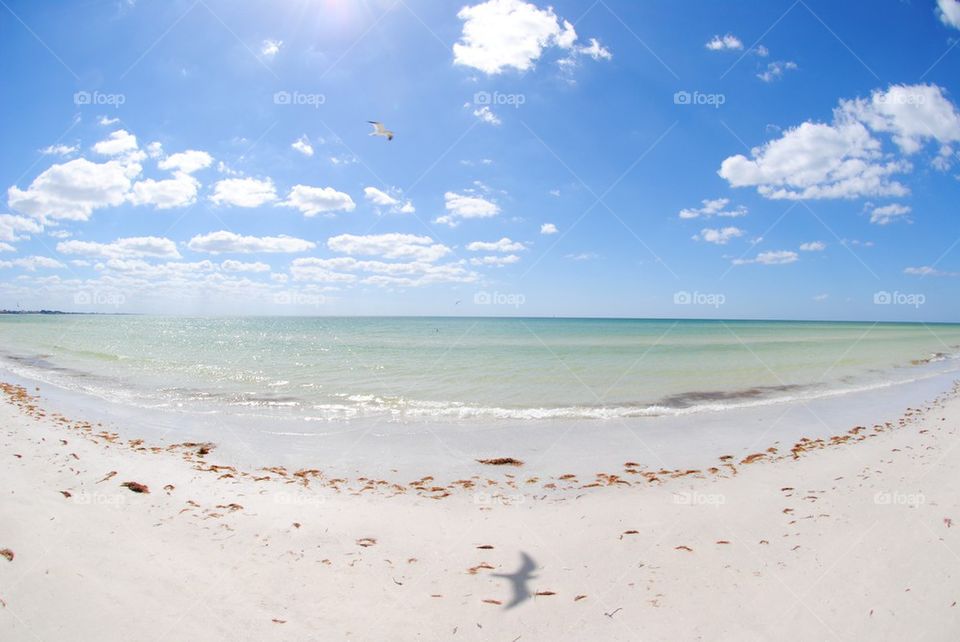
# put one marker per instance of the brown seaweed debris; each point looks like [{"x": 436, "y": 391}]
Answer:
[
  {"x": 108, "y": 476},
  {"x": 500, "y": 461},
  {"x": 136, "y": 487},
  {"x": 479, "y": 567},
  {"x": 66, "y": 493},
  {"x": 366, "y": 542},
  {"x": 545, "y": 593},
  {"x": 485, "y": 547},
  {"x": 496, "y": 602},
  {"x": 749, "y": 459},
  {"x": 7, "y": 553},
  {"x": 683, "y": 548},
  {"x": 579, "y": 597},
  {"x": 630, "y": 532}
]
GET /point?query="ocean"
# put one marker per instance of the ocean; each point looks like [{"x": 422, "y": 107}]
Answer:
[{"x": 302, "y": 377}]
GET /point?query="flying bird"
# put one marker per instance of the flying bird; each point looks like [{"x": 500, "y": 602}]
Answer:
[{"x": 380, "y": 130}]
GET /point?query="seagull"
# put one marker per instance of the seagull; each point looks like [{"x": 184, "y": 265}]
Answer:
[{"x": 380, "y": 130}]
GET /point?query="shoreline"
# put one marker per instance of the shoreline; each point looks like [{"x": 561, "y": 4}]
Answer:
[
  {"x": 853, "y": 538},
  {"x": 400, "y": 451},
  {"x": 508, "y": 470}
]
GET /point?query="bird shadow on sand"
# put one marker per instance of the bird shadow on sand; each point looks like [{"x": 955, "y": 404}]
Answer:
[{"x": 519, "y": 579}]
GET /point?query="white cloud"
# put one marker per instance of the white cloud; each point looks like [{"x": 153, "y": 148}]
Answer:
[
  {"x": 344, "y": 159},
  {"x": 125, "y": 248},
  {"x": 774, "y": 70},
  {"x": 595, "y": 50},
  {"x": 105, "y": 121},
  {"x": 719, "y": 236},
  {"x": 118, "y": 143},
  {"x": 813, "y": 246},
  {"x": 6, "y": 247},
  {"x": 778, "y": 257},
  {"x": 72, "y": 190},
  {"x": 382, "y": 199},
  {"x": 318, "y": 271},
  {"x": 187, "y": 162},
  {"x": 816, "y": 160},
  {"x": 32, "y": 263},
  {"x": 466, "y": 206},
  {"x": 171, "y": 270},
  {"x": 582, "y": 256},
  {"x": 155, "y": 149},
  {"x": 244, "y": 192},
  {"x": 889, "y": 214},
  {"x": 761, "y": 51},
  {"x": 927, "y": 270},
  {"x": 496, "y": 261},
  {"x": 12, "y": 227},
  {"x": 713, "y": 207},
  {"x": 378, "y": 197},
  {"x": 728, "y": 42},
  {"x": 548, "y": 228},
  {"x": 391, "y": 246},
  {"x": 911, "y": 114},
  {"x": 486, "y": 115},
  {"x": 224, "y": 242},
  {"x": 179, "y": 191},
  {"x": 303, "y": 145},
  {"x": 59, "y": 150},
  {"x": 503, "y": 245},
  {"x": 844, "y": 159},
  {"x": 318, "y": 200},
  {"x": 239, "y": 266},
  {"x": 270, "y": 48},
  {"x": 379, "y": 273},
  {"x": 513, "y": 34},
  {"x": 821, "y": 297},
  {"x": 949, "y": 12}
]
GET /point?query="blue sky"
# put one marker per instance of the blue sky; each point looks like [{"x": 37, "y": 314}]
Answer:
[{"x": 792, "y": 160}]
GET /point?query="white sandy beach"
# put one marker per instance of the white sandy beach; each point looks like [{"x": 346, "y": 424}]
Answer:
[{"x": 854, "y": 540}]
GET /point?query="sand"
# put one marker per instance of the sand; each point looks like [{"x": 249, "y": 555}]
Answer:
[{"x": 858, "y": 539}]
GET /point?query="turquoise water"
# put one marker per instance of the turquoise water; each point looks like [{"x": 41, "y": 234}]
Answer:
[{"x": 466, "y": 369}]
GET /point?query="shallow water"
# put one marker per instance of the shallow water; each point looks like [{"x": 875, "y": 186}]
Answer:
[
  {"x": 408, "y": 369},
  {"x": 429, "y": 396}
]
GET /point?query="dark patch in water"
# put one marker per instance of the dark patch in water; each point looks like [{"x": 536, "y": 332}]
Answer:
[{"x": 688, "y": 399}]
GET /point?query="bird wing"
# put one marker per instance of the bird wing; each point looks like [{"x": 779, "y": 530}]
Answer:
[{"x": 377, "y": 126}]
